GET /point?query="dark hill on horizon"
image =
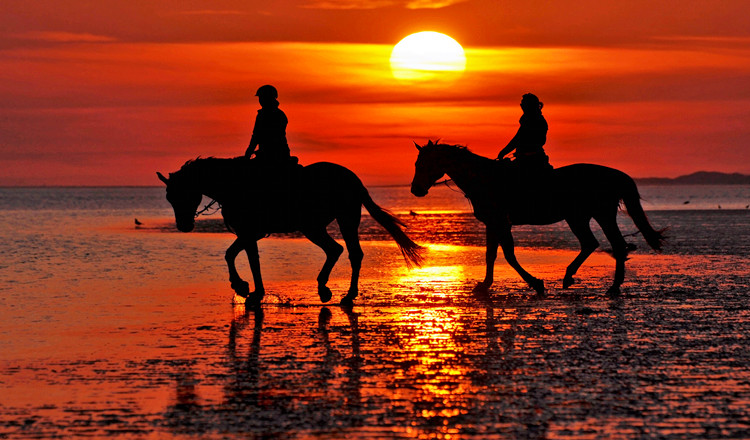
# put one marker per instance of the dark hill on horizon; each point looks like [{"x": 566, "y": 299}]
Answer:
[{"x": 699, "y": 178}]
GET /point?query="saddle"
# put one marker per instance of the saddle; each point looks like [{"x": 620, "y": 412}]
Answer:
[
  {"x": 272, "y": 191},
  {"x": 526, "y": 189}
]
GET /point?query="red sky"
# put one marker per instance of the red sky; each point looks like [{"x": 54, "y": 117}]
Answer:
[{"x": 107, "y": 93}]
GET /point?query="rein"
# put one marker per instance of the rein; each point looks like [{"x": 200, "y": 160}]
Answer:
[
  {"x": 446, "y": 182},
  {"x": 207, "y": 207}
]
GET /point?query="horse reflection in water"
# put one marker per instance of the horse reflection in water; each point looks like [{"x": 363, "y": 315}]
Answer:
[
  {"x": 257, "y": 202},
  {"x": 261, "y": 394},
  {"x": 575, "y": 193}
]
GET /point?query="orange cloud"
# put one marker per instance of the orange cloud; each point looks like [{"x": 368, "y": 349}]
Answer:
[
  {"x": 64, "y": 37},
  {"x": 431, "y": 4},
  {"x": 376, "y": 4},
  {"x": 218, "y": 12},
  {"x": 348, "y": 4}
]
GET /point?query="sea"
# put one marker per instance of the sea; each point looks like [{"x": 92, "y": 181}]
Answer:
[
  {"x": 703, "y": 219},
  {"x": 114, "y": 324}
]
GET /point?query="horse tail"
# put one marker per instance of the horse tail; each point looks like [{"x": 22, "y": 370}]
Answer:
[
  {"x": 632, "y": 199},
  {"x": 411, "y": 251}
]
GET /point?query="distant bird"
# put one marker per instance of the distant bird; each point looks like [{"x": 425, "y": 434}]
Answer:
[
  {"x": 686, "y": 202},
  {"x": 719, "y": 206},
  {"x": 137, "y": 223},
  {"x": 412, "y": 213}
]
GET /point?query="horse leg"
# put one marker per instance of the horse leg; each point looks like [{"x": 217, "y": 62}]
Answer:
[
  {"x": 619, "y": 248},
  {"x": 582, "y": 231},
  {"x": 333, "y": 251},
  {"x": 240, "y": 286},
  {"x": 251, "y": 249},
  {"x": 506, "y": 242},
  {"x": 490, "y": 257},
  {"x": 350, "y": 232}
]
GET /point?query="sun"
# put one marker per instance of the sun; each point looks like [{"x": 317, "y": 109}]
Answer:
[{"x": 427, "y": 56}]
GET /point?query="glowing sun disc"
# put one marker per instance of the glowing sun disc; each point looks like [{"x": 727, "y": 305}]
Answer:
[{"x": 427, "y": 55}]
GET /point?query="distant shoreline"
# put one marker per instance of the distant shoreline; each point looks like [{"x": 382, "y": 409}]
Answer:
[{"x": 697, "y": 178}]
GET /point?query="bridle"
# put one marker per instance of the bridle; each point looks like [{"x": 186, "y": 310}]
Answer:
[{"x": 207, "y": 207}]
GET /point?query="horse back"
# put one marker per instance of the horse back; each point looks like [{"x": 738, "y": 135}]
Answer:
[
  {"x": 584, "y": 178},
  {"x": 588, "y": 187},
  {"x": 325, "y": 180},
  {"x": 587, "y": 173},
  {"x": 323, "y": 189}
]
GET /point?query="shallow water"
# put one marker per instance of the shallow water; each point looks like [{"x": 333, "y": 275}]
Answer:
[{"x": 107, "y": 330}]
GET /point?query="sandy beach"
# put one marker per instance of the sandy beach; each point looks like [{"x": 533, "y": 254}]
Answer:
[{"x": 418, "y": 356}]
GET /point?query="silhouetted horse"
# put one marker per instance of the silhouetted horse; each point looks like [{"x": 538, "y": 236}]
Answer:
[
  {"x": 575, "y": 193},
  {"x": 315, "y": 195}
]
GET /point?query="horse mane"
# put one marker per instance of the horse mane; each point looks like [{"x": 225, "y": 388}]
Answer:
[
  {"x": 457, "y": 147},
  {"x": 437, "y": 143},
  {"x": 190, "y": 164},
  {"x": 465, "y": 151},
  {"x": 194, "y": 170}
]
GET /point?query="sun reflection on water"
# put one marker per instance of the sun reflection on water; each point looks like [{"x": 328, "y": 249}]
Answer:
[
  {"x": 433, "y": 275},
  {"x": 431, "y": 359}
]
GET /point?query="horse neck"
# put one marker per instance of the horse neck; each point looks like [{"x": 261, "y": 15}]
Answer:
[
  {"x": 210, "y": 175},
  {"x": 470, "y": 172}
]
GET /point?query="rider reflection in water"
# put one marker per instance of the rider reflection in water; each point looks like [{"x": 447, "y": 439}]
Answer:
[
  {"x": 269, "y": 132},
  {"x": 529, "y": 141}
]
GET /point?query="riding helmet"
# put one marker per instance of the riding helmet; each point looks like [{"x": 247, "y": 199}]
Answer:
[{"x": 267, "y": 91}]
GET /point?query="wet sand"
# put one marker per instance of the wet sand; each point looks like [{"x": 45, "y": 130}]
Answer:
[{"x": 163, "y": 353}]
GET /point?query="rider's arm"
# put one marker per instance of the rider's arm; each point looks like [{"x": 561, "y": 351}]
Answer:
[
  {"x": 251, "y": 148},
  {"x": 510, "y": 147},
  {"x": 254, "y": 139}
]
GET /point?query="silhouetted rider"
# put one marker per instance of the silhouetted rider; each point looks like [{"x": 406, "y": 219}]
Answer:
[
  {"x": 529, "y": 141},
  {"x": 269, "y": 132}
]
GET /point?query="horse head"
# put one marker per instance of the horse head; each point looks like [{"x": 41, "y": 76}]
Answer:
[
  {"x": 184, "y": 197},
  {"x": 430, "y": 167}
]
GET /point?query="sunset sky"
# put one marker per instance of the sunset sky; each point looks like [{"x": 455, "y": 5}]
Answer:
[{"x": 108, "y": 92}]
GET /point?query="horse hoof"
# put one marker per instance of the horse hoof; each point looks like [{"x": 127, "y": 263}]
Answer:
[
  {"x": 538, "y": 286},
  {"x": 241, "y": 288},
  {"x": 482, "y": 287},
  {"x": 614, "y": 291},
  {"x": 324, "y": 293},
  {"x": 254, "y": 299},
  {"x": 568, "y": 281},
  {"x": 348, "y": 300},
  {"x": 252, "y": 303}
]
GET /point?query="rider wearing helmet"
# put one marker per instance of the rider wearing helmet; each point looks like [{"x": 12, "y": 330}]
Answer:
[
  {"x": 529, "y": 141},
  {"x": 269, "y": 133}
]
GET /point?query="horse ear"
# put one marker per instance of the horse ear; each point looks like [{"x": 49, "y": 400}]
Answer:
[
  {"x": 162, "y": 178},
  {"x": 417, "y": 145}
]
